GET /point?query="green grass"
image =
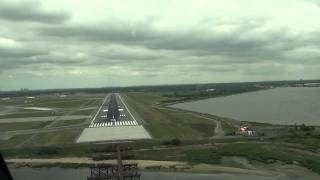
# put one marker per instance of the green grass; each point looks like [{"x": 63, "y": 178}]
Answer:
[
  {"x": 30, "y": 114},
  {"x": 85, "y": 112},
  {"x": 45, "y": 100},
  {"x": 168, "y": 123},
  {"x": 10, "y": 102},
  {"x": 310, "y": 142},
  {"x": 62, "y": 104},
  {"x": 161, "y": 155},
  {"x": 12, "y": 142},
  {"x": 56, "y": 138},
  {"x": 260, "y": 152},
  {"x": 68, "y": 122},
  {"x": 22, "y": 125},
  {"x": 38, "y": 100},
  {"x": 95, "y": 102},
  {"x": 227, "y": 128}
]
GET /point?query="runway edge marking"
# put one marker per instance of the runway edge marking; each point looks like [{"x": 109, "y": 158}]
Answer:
[
  {"x": 127, "y": 108},
  {"x": 104, "y": 101}
]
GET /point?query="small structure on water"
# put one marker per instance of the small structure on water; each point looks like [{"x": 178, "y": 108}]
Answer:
[
  {"x": 114, "y": 172},
  {"x": 119, "y": 171}
]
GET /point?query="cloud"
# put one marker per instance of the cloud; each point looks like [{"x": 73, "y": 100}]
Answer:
[
  {"x": 8, "y": 43},
  {"x": 143, "y": 42},
  {"x": 19, "y": 53},
  {"x": 22, "y": 57},
  {"x": 316, "y": 2},
  {"x": 245, "y": 40},
  {"x": 127, "y": 53},
  {"x": 30, "y": 12},
  {"x": 105, "y": 31}
]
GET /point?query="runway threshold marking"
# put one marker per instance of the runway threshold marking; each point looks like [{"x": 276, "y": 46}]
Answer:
[
  {"x": 104, "y": 101},
  {"x": 127, "y": 108}
]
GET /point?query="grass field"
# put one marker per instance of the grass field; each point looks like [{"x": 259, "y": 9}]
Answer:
[
  {"x": 56, "y": 138},
  {"x": 68, "y": 122},
  {"x": 310, "y": 141},
  {"x": 62, "y": 104},
  {"x": 20, "y": 101},
  {"x": 69, "y": 102},
  {"x": 12, "y": 142},
  {"x": 22, "y": 125},
  {"x": 95, "y": 102},
  {"x": 10, "y": 102},
  {"x": 266, "y": 153},
  {"x": 227, "y": 128},
  {"x": 85, "y": 112},
  {"x": 31, "y": 114},
  {"x": 168, "y": 123}
]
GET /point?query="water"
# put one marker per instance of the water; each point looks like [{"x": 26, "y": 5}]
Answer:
[
  {"x": 275, "y": 106},
  {"x": 82, "y": 173}
]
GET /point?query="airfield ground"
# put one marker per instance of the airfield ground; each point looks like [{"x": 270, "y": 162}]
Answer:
[
  {"x": 45, "y": 119},
  {"x": 18, "y": 122},
  {"x": 177, "y": 135},
  {"x": 165, "y": 123}
]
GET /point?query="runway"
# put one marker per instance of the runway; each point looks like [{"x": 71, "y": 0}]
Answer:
[
  {"x": 113, "y": 112},
  {"x": 114, "y": 121}
]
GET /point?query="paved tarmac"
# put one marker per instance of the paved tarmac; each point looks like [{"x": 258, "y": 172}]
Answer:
[{"x": 113, "y": 112}]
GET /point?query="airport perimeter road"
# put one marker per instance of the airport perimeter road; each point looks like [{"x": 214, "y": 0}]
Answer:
[{"x": 114, "y": 112}]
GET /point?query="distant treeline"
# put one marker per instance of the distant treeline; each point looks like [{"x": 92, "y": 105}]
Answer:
[
  {"x": 227, "y": 87},
  {"x": 178, "y": 96}
]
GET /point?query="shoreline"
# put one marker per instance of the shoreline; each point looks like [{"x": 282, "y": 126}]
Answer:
[
  {"x": 163, "y": 166},
  {"x": 228, "y": 117},
  {"x": 144, "y": 165},
  {"x": 209, "y": 97}
]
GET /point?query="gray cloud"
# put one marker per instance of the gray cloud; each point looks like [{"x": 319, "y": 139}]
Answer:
[
  {"x": 110, "y": 32},
  {"x": 19, "y": 53},
  {"x": 127, "y": 53},
  {"x": 237, "y": 47},
  {"x": 146, "y": 50},
  {"x": 128, "y": 56},
  {"x": 13, "y": 58},
  {"x": 30, "y": 12},
  {"x": 317, "y": 2},
  {"x": 244, "y": 45}
]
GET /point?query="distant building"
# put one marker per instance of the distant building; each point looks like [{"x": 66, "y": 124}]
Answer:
[
  {"x": 24, "y": 89},
  {"x": 311, "y": 84},
  {"x": 210, "y": 90},
  {"x": 245, "y": 131}
]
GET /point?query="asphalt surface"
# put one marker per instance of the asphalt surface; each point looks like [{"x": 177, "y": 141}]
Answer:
[{"x": 113, "y": 112}]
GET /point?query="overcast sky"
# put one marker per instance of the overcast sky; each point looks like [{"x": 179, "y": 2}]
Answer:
[{"x": 96, "y": 43}]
